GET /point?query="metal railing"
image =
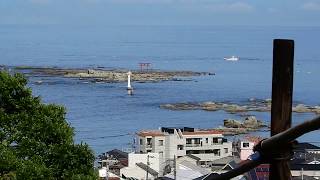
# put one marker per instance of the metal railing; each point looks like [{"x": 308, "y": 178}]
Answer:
[
  {"x": 193, "y": 145},
  {"x": 206, "y": 145},
  {"x": 149, "y": 146}
]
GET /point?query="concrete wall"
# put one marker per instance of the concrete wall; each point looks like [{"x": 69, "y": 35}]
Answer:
[
  {"x": 134, "y": 171},
  {"x": 171, "y": 146},
  {"x": 245, "y": 152},
  {"x": 137, "y": 158},
  {"x": 308, "y": 173}
]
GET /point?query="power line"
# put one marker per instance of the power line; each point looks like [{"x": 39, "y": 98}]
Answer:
[{"x": 104, "y": 137}]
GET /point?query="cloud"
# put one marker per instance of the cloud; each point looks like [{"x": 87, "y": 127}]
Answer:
[{"x": 311, "y": 6}]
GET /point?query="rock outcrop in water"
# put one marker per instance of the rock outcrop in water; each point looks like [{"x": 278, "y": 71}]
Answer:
[
  {"x": 252, "y": 104},
  {"x": 249, "y": 122},
  {"x": 110, "y": 75}
]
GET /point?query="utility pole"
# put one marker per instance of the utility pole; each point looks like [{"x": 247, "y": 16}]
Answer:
[
  {"x": 175, "y": 167},
  {"x": 282, "y": 85},
  {"x": 147, "y": 167}
]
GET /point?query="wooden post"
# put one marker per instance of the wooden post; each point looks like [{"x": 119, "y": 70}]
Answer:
[{"x": 282, "y": 85}]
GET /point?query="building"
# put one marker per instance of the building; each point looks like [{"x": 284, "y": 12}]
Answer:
[
  {"x": 306, "y": 148},
  {"x": 186, "y": 170},
  {"x": 244, "y": 147},
  {"x": 114, "y": 160},
  {"x": 305, "y": 162},
  {"x": 142, "y": 166},
  {"x": 207, "y": 145}
]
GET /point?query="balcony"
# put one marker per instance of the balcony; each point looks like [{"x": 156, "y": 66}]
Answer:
[
  {"x": 149, "y": 146},
  {"x": 216, "y": 143},
  {"x": 193, "y": 145}
]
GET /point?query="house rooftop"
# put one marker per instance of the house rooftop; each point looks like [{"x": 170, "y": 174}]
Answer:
[
  {"x": 305, "y": 146},
  {"x": 193, "y": 157},
  {"x": 150, "y": 133},
  {"x": 254, "y": 139},
  {"x": 185, "y": 131},
  {"x": 200, "y": 132},
  {"x": 170, "y": 130},
  {"x": 147, "y": 168},
  {"x": 118, "y": 154}
]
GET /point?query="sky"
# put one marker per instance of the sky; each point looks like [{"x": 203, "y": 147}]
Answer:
[{"x": 161, "y": 12}]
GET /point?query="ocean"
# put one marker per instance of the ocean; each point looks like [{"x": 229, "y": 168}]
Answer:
[{"x": 105, "y": 117}]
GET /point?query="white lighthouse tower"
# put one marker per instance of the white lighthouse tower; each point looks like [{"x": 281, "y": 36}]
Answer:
[{"x": 129, "y": 87}]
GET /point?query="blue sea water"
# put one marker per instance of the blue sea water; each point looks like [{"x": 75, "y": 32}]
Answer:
[{"x": 105, "y": 117}]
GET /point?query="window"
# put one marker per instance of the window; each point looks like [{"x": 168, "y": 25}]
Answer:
[
  {"x": 216, "y": 152},
  {"x": 161, "y": 154},
  {"x": 188, "y": 141},
  {"x": 196, "y": 140},
  {"x": 214, "y": 140},
  {"x": 149, "y": 141},
  {"x": 141, "y": 141},
  {"x": 245, "y": 144},
  {"x": 193, "y": 152},
  {"x": 226, "y": 150},
  {"x": 209, "y": 151},
  {"x": 180, "y": 147},
  {"x": 207, "y": 140},
  {"x": 160, "y": 142}
]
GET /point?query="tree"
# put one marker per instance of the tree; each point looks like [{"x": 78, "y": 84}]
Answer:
[{"x": 36, "y": 142}]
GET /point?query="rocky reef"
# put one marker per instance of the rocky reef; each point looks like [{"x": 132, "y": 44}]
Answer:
[
  {"x": 249, "y": 122},
  {"x": 253, "y": 104},
  {"x": 110, "y": 75}
]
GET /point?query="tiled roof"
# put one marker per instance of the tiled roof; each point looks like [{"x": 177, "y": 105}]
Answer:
[
  {"x": 193, "y": 157},
  {"x": 254, "y": 139},
  {"x": 159, "y": 133},
  {"x": 202, "y": 132},
  {"x": 305, "y": 146},
  {"x": 225, "y": 160},
  {"x": 150, "y": 133},
  {"x": 118, "y": 154},
  {"x": 146, "y": 168}
]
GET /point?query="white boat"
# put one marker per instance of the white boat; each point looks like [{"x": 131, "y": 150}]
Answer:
[{"x": 232, "y": 58}]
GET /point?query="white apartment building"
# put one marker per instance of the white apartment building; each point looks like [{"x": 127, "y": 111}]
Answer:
[{"x": 206, "y": 145}]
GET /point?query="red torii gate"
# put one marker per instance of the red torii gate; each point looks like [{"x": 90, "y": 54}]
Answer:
[{"x": 144, "y": 65}]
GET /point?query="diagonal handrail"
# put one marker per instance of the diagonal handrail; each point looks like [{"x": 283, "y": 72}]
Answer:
[{"x": 268, "y": 146}]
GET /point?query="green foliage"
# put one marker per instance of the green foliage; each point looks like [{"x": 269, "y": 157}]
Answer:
[{"x": 36, "y": 142}]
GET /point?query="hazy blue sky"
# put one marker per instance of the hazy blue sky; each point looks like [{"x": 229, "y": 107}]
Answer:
[{"x": 161, "y": 12}]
